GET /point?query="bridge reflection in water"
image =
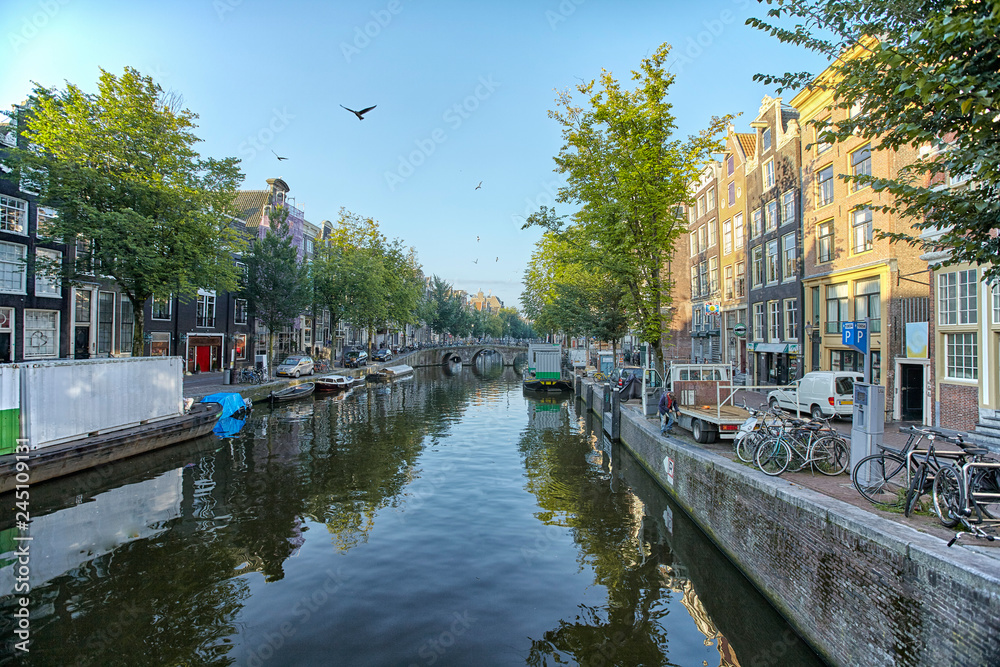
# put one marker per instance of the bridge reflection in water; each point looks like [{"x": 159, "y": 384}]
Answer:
[{"x": 444, "y": 520}]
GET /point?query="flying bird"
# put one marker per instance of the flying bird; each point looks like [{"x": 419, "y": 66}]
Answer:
[
  {"x": 278, "y": 156},
  {"x": 480, "y": 185},
  {"x": 360, "y": 114},
  {"x": 477, "y": 238},
  {"x": 475, "y": 261},
  {"x": 498, "y": 259}
]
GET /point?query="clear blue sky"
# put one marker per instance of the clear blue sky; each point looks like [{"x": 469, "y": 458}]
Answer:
[{"x": 462, "y": 89}]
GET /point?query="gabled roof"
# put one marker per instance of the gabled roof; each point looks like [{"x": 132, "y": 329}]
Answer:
[
  {"x": 748, "y": 142},
  {"x": 250, "y": 206}
]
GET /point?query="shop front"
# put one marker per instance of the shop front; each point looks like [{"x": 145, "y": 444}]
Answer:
[
  {"x": 204, "y": 353},
  {"x": 775, "y": 363}
]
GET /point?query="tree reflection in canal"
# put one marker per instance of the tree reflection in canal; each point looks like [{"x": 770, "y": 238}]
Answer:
[{"x": 414, "y": 523}]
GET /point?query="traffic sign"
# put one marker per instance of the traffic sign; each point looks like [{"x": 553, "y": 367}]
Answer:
[
  {"x": 740, "y": 330},
  {"x": 855, "y": 334}
]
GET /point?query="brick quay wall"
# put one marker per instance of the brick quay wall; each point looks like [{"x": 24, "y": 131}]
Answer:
[{"x": 862, "y": 589}]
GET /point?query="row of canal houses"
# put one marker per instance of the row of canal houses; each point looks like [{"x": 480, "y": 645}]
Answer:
[
  {"x": 781, "y": 252},
  {"x": 41, "y": 318}
]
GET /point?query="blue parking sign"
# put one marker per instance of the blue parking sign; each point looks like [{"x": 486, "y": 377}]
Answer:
[{"x": 855, "y": 334}]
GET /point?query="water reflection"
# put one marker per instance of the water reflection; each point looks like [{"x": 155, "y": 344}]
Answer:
[{"x": 369, "y": 523}]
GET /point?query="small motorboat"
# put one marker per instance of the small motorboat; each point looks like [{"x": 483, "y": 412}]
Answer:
[
  {"x": 293, "y": 392},
  {"x": 391, "y": 373},
  {"x": 235, "y": 409},
  {"x": 329, "y": 383}
]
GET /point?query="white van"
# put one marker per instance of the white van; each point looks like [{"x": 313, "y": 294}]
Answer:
[{"x": 820, "y": 393}]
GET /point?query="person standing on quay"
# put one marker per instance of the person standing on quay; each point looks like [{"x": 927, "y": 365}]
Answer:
[{"x": 667, "y": 409}]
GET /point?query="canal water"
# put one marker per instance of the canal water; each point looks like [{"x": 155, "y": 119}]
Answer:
[{"x": 446, "y": 519}]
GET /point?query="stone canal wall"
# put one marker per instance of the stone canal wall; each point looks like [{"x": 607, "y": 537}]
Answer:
[{"x": 863, "y": 590}]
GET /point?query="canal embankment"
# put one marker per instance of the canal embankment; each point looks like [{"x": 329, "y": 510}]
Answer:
[{"x": 861, "y": 588}]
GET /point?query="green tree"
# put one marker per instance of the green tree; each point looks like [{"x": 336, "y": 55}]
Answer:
[
  {"x": 120, "y": 168},
  {"x": 930, "y": 79},
  {"x": 628, "y": 174},
  {"x": 277, "y": 284},
  {"x": 443, "y": 311}
]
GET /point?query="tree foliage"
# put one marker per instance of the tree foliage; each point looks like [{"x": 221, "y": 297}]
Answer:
[
  {"x": 443, "y": 310},
  {"x": 121, "y": 170},
  {"x": 628, "y": 175},
  {"x": 930, "y": 79}
]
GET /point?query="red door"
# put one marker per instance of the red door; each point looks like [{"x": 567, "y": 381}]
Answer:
[{"x": 203, "y": 357}]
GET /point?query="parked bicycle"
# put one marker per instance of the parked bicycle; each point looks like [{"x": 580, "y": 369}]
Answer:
[
  {"x": 758, "y": 427},
  {"x": 251, "y": 375},
  {"x": 967, "y": 492},
  {"x": 803, "y": 443},
  {"x": 880, "y": 478}
]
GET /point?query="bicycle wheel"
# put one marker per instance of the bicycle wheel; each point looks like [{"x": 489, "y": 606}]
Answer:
[
  {"x": 879, "y": 479},
  {"x": 772, "y": 456},
  {"x": 746, "y": 446},
  {"x": 830, "y": 455},
  {"x": 985, "y": 482},
  {"x": 916, "y": 489},
  {"x": 947, "y": 495},
  {"x": 798, "y": 450}
]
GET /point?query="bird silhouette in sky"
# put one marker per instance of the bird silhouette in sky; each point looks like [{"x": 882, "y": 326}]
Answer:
[
  {"x": 477, "y": 238},
  {"x": 360, "y": 114},
  {"x": 278, "y": 156},
  {"x": 480, "y": 185},
  {"x": 475, "y": 261},
  {"x": 498, "y": 259}
]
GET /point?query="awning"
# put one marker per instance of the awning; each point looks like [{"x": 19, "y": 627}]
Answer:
[{"x": 780, "y": 348}]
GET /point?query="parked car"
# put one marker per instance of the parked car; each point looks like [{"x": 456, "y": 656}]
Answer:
[
  {"x": 820, "y": 393},
  {"x": 382, "y": 354},
  {"x": 355, "y": 358},
  {"x": 295, "y": 366}
]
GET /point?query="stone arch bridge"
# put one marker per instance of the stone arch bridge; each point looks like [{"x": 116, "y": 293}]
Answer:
[{"x": 466, "y": 354}]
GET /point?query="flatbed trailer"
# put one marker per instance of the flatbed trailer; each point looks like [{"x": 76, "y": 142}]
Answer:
[{"x": 708, "y": 423}]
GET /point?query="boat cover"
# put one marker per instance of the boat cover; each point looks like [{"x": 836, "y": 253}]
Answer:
[{"x": 231, "y": 402}]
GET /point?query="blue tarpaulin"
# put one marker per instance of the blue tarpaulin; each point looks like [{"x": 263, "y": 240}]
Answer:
[{"x": 232, "y": 403}]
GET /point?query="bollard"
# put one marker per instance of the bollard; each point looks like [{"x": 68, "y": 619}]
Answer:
[{"x": 227, "y": 376}]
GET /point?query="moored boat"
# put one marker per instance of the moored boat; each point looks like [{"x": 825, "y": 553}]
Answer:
[
  {"x": 293, "y": 392},
  {"x": 329, "y": 383},
  {"x": 391, "y": 373},
  {"x": 544, "y": 372}
]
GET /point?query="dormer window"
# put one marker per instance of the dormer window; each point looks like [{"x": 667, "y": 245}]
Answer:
[{"x": 765, "y": 139}]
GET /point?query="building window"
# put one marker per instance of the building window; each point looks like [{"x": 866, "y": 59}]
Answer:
[
  {"x": 868, "y": 303},
  {"x": 730, "y": 168},
  {"x": 821, "y": 146},
  {"x": 824, "y": 186},
  {"x": 791, "y": 319},
  {"x": 996, "y": 303},
  {"x": 711, "y": 199},
  {"x": 712, "y": 234},
  {"x": 757, "y": 266},
  {"x": 241, "y": 275},
  {"x": 13, "y": 215},
  {"x": 240, "y": 313},
  {"x": 836, "y": 307},
  {"x": 44, "y": 220},
  {"x": 698, "y": 317},
  {"x": 703, "y": 278},
  {"x": 47, "y": 283},
  {"x": 732, "y": 193},
  {"x": 31, "y": 180},
  {"x": 41, "y": 333},
  {"x": 713, "y": 273},
  {"x": 741, "y": 280},
  {"x": 728, "y": 284},
  {"x": 861, "y": 164},
  {"x": 693, "y": 238},
  {"x": 824, "y": 241},
  {"x": 127, "y": 329},
  {"x": 774, "y": 320},
  {"x": 727, "y": 237},
  {"x": 758, "y": 321},
  {"x": 765, "y": 139},
  {"x": 701, "y": 206},
  {"x": 105, "y": 322},
  {"x": 961, "y": 357},
  {"x": 81, "y": 310},
  {"x": 703, "y": 237},
  {"x": 738, "y": 231},
  {"x": 13, "y": 269},
  {"x": 861, "y": 219},
  {"x": 771, "y": 215},
  {"x": 8, "y": 133},
  {"x": 772, "y": 261},
  {"x": 84, "y": 258},
  {"x": 788, "y": 256},
  {"x": 205, "y": 316},
  {"x": 755, "y": 224},
  {"x": 957, "y": 297},
  {"x": 161, "y": 307},
  {"x": 695, "y": 289},
  {"x": 788, "y": 207},
  {"x": 768, "y": 175},
  {"x": 160, "y": 345}
]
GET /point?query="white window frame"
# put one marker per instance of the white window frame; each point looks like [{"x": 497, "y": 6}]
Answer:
[
  {"x": 961, "y": 355},
  {"x": 8, "y": 133},
  {"x": 713, "y": 274},
  {"x": 772, "y": 263},
  {"x": 727, "y": 237},
  {"x": 771, "y": 215},
  {"x": 236, "y": 310},
  {"x": 759, "y": 325},
  {"x": 712, "y": 234},
  {"x": 44, "y": 214},
  {"x": 769, "y": 174},
  {"x": 741, "y": 280},
  {"x": 703, "y": 237},
  {"x": 820, "y": 237},
  {"x": 757, "y": 273},
  {"x": 821, "y": 184},
  {"x": 862, "y": 235},
  {"x": 765, "y": 139},
  {"x": 756, "y": 223},
  {"x": 867, "y": 171},
  {"x": 958, "y": 297},
  {"x": 170, "y": 309},
  {"x": 13, "y": 215},
  {"x": 738, "y": 231},
  {"x": 788, "y": 256},
  {"x": 33, "y": 337},
  {"x": 16, "y": 266},
  {"x": 728, "y": 284},
  {"x": 791, "y": 319},
  {"x": 787, "y": 207},
  {"x": 47, "y": 286},
  {"x": 208, "y": 298},
  {"x": 774, "y": 321}
]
